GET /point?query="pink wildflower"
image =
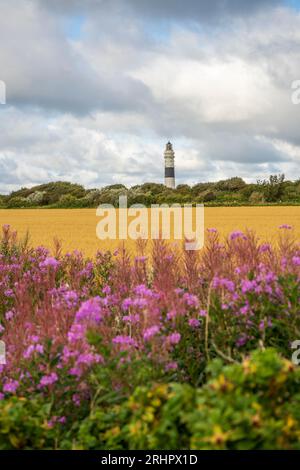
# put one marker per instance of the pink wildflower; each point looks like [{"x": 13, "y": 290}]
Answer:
[
  {"x": 49, "y": 262},
  {"x": 194, "y": 323},
  {"x": 174, "y": 338},
  {"x": 48, "y": 380},
  {"x": 150, "y": 332},
  {"x": 11, "y": 386}
]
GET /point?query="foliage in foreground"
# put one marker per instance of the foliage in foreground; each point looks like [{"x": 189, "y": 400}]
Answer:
[
  {"x": 81, "y": 335},
  {"x": 252, "y": 405}
]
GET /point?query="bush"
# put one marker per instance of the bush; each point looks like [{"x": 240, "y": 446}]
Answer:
[
  {"x": 184, "y": 189},
  {"x": 67, "y": 200},
  {"x": 24, "y": 424},
  {"x": 17, "y": 202},
  {"x": 232, "y": 184},
  {"x": 256, "y": 197},
  {"x": 154, "y": 417},
  {"x": 209, "y": 196},
  {"x": 230, "y": 192},
  {"x": 201, "y": 187},
  {"x": 36, "y": 198},
  {"x": 253, "y": 405},
  {"x": 273, "y": 189}
]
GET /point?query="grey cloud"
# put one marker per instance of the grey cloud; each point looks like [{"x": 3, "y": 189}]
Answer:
[
  {"x": 199, "y": 9},
  {"x": 189, "y": 9},
  {"x": 97, "y": 111},
  {"x": 244, "y": 149},
  {"x": 42, "y": 68}
]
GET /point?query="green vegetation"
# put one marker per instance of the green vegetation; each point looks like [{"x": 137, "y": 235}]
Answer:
[
  {"x": 252, "y": 405},
  {"x": 231, "y": 192}
]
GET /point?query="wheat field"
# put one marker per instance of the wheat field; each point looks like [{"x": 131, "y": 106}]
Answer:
[{"x": 76, "y": 228}]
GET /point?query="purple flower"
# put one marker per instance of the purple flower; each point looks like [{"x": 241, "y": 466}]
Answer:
[
  {"x": 191, "y": 300},
  {"x": 172, "y": 314},
  {"x": 89, "y": 311},
  {"x": 76, "y": 333},
  {"x": 143, "y": 290},
  {"x": 29, "y": 351},
  {"x": 76, "y": 399},
  {"x": 150, "y": 332},
  {"x": 9, "y": 293},
  {"x": 76, "y": 371},
  {"x": 39, "y": 348},
  {"x": 285, "y": 227},
  {"x": 194, "y": 323},
  {"x": 265, "y": 247},
  {"x": 134, "y": 318},
  {"x": 248, "y": 286},
  {"x": 106, "y": 290},
  {"x": 127, "y": 303},
  {"x": 242, "y": 340},
  {"x": 236, "y": 234},
  {"x": 223, "y": 282},
  {"x": 140, "y": 303},
  {"x": 262, "y": 325},
  {"x": 89, "y": 358},
  {"x": 9, "y": 315},
  {"x": 124, "y": 340},
  {"x": 171, "y": 366},
  {"x": 142, "y": 259},
  {"x": 11, "y": 386},
  {"x": 49, "y": 262},
  {"x": 174, "y": 338},
  {"x": 296, "y": 260},
  {"x": 48, "y": 380},
  {"x": 244, "y": 310},
  {"x": 34, "y": 338}
]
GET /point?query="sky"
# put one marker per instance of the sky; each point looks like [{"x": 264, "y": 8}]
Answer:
[{"x": 95, "y": 89}]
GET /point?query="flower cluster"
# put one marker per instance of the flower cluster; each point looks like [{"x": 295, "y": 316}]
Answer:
[{"x": 64, "y": 319}]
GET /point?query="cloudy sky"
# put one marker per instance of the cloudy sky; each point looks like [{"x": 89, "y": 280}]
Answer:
[{"x": 95, "y": 88}]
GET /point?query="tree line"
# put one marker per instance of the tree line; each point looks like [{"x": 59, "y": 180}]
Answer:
[{"x": 230, "y": 192}]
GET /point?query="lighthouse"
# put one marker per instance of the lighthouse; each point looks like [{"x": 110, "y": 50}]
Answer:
[{"x": 169, "y": 166}]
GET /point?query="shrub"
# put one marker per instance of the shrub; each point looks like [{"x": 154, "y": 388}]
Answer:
[
  {"x": 17, "y": 202},
  {"x": 256, "y": 197},
  {"x": 67, "y": 200},
  {"x": 253, "y": 405},
  {"x": 209, "y": 196},
  {"x": 184, "y": 189},
  {"x": 232, "y": 184},
  {"x": 273, "y": 188},
  {"x": 36, "y": 198},
  {"x": 154, "y": 417},
  {"x": 25, "y": 424}
]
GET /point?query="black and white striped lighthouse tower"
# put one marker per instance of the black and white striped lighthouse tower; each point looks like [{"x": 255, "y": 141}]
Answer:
[{"x": 169, "y": 166}]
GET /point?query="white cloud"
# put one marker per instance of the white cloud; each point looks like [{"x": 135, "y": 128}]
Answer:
[{"x": 99, "y": 109}]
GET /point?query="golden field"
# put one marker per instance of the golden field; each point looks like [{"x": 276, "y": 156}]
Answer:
[{"x": 76, "y": 228}]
